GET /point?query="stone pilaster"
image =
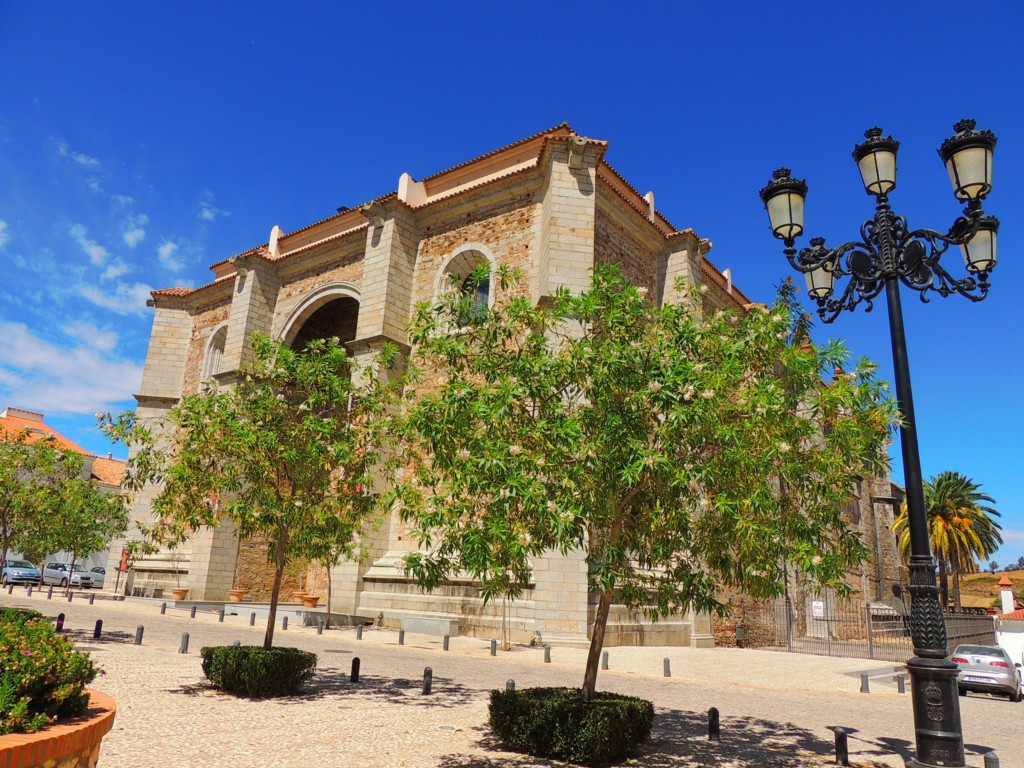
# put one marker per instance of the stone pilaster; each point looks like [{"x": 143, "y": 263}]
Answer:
[
  {"x": 168, "y": 349},
  {"x": 680, "y": 259},
  {"x": 212, "y": 565},
  {"x": 392, "y": 241},
  {"x": 560, "y": 597},
  {"x": 252, "y": 310}
]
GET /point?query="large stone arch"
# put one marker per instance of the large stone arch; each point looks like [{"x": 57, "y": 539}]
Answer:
[{"x": 330, "y": 310}]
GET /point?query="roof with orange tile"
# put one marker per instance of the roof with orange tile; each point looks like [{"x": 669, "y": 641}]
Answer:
[
  {"x": 108, "y": 471},
  {"x": 1017, "y": 615}
]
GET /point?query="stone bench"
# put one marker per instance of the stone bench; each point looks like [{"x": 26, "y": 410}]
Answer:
[{"x": 440, "y": 627}]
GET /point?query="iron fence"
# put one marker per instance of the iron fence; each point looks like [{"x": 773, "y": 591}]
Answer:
[{"x": 848, "y": 628}]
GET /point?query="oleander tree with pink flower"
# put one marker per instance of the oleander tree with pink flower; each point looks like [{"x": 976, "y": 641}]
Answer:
[{"x": 682, "y": 447}]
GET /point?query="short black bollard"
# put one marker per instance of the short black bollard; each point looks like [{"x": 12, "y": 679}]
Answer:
[
  {"x": 92, "y": 599},
  {"x": 252, "y": 619},
  {"x": 284, "y": 623},
  {"x": 446, "y": 638},
  {"x": 354, "y": 676},
  {"x": 29, "y": 590},
  {"x": 60, "y": 622},
  {"x": 49, "y": 594},
  {"x": 98, "y": 632},
  {"x": 666, "y": 667},
  {"x": 401, "y": 637},
  {"x": 319, "y": 625},
  {"x": 547, "y": 653},
  {"x": 864, "y": 686},
  {"x": 714, "y": 725},
  {"x": 71, "y": 596},
  {"x": 991, "y": 760},
  {"x": 901, "y": 684},
  {"x": 10, "y": 588},
  {"x": 494, "y": 647},
  {"x": 510, "y": 685},
  {"x": 163, "y": 609},
  {"x": 359, "y": 631},
  {"x": 183, "y": 648},
  {"x": 842, "y": 749},
  {"x": 192, "y": 614},
  {"x": 604, "y": 660},
  {"x": 428, "y": 680},
  {"x": 220, "y": 615},
  {"x": 138, "y": 634}
]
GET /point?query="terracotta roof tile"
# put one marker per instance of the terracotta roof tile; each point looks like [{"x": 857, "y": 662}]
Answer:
[
  {"x": 1017, "y": 615},
  {"x": 108, "y": 471}
]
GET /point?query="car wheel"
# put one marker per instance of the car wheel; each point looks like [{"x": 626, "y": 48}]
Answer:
[
  {"x": 63, "y": 582},
  {"x": 3, "y": 580}
]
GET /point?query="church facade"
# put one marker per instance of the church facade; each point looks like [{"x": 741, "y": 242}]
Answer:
[{"x": 549, "y": 204}]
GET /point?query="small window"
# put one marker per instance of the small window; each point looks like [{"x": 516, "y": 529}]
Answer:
[
  {"x": 215, "y": 354},
  {"x": 479, "y": 292},
  {"x": 469, "y": 272}
]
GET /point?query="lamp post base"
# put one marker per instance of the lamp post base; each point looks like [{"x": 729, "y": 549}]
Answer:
[{"x": 936, "y": 700}]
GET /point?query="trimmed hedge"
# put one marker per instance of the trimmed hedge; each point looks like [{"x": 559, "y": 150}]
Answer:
[
  {"x": 42, "y": 676},
  {"x": 256, "y": 672},
  {"x": 560, "y": 723}
]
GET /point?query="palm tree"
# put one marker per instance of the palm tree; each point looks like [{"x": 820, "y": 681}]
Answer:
[{"x": 960, "y": 526}]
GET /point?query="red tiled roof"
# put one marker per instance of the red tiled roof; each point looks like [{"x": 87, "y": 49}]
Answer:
[
  {"x": 562, "y": 128},
  {"x": 1017, "y": 615},
  {"x": 107, "y": 471}
]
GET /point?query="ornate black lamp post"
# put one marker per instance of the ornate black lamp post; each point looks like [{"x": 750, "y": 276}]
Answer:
[{"x": 890, "y": 253}]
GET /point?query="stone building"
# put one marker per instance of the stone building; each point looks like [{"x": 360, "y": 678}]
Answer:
[{"x": 549, "y": 204}]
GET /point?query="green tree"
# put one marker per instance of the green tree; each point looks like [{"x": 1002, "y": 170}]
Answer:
[
  {"x": 961, "y": 528},
  {"x": 682, "y": 451},
  {"x": 294, "y": 444},
  {"x": 46, "y": 505}
]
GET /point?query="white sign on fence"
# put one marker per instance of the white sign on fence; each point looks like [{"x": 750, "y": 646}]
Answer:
[{"x": 818, "y": 609}]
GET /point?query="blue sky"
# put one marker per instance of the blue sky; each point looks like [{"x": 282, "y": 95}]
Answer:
[{"x": 140, "y": 143}]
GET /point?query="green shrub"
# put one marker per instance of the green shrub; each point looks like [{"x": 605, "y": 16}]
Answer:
[
  {"x": 42, "y": 677},
  {"x": 254, "y": 671},
  {"x": 560, "y": 723}
]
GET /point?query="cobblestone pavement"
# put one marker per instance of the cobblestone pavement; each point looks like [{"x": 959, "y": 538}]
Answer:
[{"x": 776, "y": 708}]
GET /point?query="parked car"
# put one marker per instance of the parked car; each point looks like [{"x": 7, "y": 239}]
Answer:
[
  {"x": 19, "y": 572},
  {"x": 60, "y": 573},
  {"x": 988, "y": 669},
  {"x": 99, "y": 575}
]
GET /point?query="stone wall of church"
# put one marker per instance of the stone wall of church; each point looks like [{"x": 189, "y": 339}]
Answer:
[
  {"x": 620, "y": 238},
  {"x": 204, "y": 322}
]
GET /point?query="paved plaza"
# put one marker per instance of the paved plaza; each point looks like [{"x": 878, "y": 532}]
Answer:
[{"x": 776, "y": 708}]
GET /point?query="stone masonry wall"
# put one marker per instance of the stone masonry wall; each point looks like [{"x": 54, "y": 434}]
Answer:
[
  {"x": 617, "y": 243},
  {"x": 204, "y": 323}
]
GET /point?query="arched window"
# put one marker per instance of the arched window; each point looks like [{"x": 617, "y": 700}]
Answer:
[
  {"x": 469, "y": 271},
  {"x": 215, "y": 353}
]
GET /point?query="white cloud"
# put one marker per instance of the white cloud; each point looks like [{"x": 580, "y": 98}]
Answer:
[
  {"x": 97, "y": 253},
  {"x": 4, "y": 236},
  {"x": 1011, "y": 536},
  {"x": 115, "y": 270},
  {"x": 208, "y": 213},
  {"x": 132, "y": 228},
  {"x": 77, "y": 157},
  {"x": 91, "y": 334},
  {"x": 166, "y": 255},
  {"x": 124, "y": 201},
  {"x": 62, "y": 379},
  {"x": 125, "y": 299}
]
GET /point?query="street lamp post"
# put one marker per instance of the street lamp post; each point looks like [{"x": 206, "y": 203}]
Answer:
[{"x": 890, "y": 253}]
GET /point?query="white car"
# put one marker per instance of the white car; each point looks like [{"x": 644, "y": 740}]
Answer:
[
  {"x": 99, "y": 575},
  {"x": 61, "y": 573}
]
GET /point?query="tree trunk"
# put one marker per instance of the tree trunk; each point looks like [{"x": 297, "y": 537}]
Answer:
[
  {"x": 71, "y": 573},
  {"x": 943, "y": 583},
  {"x": 955, "y": 567},
  {"x": 328, "y": 597},
  {"x": 275, "y": 594},
  {"x": 596, "y": 645}
]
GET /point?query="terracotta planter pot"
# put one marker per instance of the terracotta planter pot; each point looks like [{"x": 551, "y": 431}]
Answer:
[
  {"x": 310, "y": 601},
  {"x": 236, "y": 595},
  {"x": 71, "y": 743},
  {"x": 297, "y": 595},
  {"x": 179, "y": 593}
]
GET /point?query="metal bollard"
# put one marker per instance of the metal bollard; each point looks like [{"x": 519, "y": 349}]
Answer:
[
  {"x": 359, "y": 631},
  {"x": 901, "y": 684},
  {"x": 864, "y": 686},
  {"x": 49, "y": 594},
  {"x": 29, "y": 591},
  {"x": 354, "y": 676},
  {"x": 666, "y": 667},
  {"x": 714, "y": 725},
  {"x": 220, "y": 615},
  {"x": 92, "y": 599},
  {"x": 71, "y": 596},
  {"x": 98, "y": 631},
  {"x": 252, "y": 619},
  {"x": 10, "y": 588},
  {"x": 842, "y": 749},
  {"x": 494, "y": 647},
  {"x": 60, "y": 622},
  {"x": 991, "y": 760},
  {"x": 163, "y": 608},
  {"x": 401, "y": 637},
  {"x": 446, "y": 642},
  {"x": 183, "y": 648},
  {"x": 510, "y": 685},
  {"x": 547, "y": 653},
  {"x": 192, "y": 614},
  {"x": 428, "y": 680},
  {"x": 604, "y": 660},
  {"x": 138, "y": 634},
  {"x": 319, "y": 625},
  {"x": 284, "y": 623}
]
